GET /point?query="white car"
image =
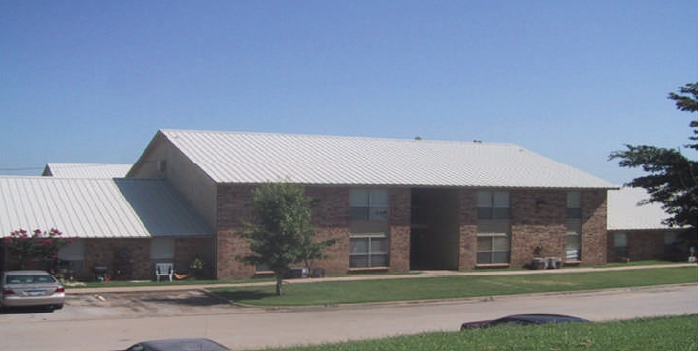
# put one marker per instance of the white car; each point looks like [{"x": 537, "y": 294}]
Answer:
[{"x": 31, "y": 289}]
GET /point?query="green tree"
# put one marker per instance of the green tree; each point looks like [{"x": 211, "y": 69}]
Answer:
[
  {"x": 39, "y": 245},
  {"x": 672, "y": 178},
  {"x": 282, "y": 233}
]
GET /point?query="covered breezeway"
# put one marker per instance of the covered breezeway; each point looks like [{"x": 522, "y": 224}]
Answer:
[{"x": 435, "y": 229}]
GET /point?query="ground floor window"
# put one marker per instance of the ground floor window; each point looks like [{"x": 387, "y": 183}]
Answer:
[
  {"x": 573, "y": 248},
  {"x": 368, "y": 252},
  {"x": 162, "y": 249},
  {"x": 492, "y": 249},
  {"x": 573, "y": 241},
  {"x": 262, "y": 267},
  {"x": 71, "y": 258},
  {"x": 620, "y": 245}
]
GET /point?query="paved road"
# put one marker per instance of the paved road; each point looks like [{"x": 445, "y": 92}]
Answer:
[{"x": 93, "y": 327}]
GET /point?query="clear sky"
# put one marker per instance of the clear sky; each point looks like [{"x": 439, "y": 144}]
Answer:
[{"x": 93, "y": 81}]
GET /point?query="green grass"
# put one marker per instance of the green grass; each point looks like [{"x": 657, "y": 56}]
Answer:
[
  {"x": 636, "y": 263},
  {"x": 656, "y": 334},
  {"x": 450, "y": 287}
]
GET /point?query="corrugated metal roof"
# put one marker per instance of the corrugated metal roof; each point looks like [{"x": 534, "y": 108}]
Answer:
[
  {"x": 626, "y": 213},
  {"x": 96, "y": 208},
  {"x": 86, "y": 170},
  {"x": 229, "y": 157}
]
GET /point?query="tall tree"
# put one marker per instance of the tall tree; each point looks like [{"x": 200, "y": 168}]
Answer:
[
  {"x": 282, "y": 233},
  {"x": 672, "y": 178}
]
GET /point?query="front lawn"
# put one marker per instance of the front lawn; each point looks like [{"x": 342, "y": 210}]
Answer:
[{"x": 450, "y": 287}]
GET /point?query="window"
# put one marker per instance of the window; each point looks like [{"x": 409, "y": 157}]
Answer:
[
  {"x": 72, "y": 256},
  {"x": 671, "y": 241},
  {"x": 369, "y": 228},
  {"x": 262, "y": 267},
  {"x": 493, "y": 205},
  {"x": 162, "y": 249},
  {"x": 620, "y": 245},
  {"x": 493, "y": 229},
  {"x": 492, "y": 249},
  {"x": 368, "y": 252},
  {"x": 369, "y": 205},
  {"x": 573, "y": 247}
]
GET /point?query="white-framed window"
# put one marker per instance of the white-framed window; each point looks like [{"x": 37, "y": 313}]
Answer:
[
  {"x": 368, "y": 251},
  {"x": 573, "y": 246},
  {"x": 493, "y": 248},
  {"x": 493, "y": 227},
  {"x": 369, "y": 242},
  {"x": 369, "y": 205},
  {"x": 493, "y": 205}
]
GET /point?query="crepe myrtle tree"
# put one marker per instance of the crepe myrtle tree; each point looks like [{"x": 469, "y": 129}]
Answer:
[
  {"x": 672, "y": 176},
  {"x": 37, "y": 245},
  {"x": 282, "y": 233}
]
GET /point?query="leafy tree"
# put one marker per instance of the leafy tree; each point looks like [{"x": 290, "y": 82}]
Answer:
[
  {"x": 39, "y": 245},
  {"x": 672, "y": 178},
  {"x": 282, "y": 234}
]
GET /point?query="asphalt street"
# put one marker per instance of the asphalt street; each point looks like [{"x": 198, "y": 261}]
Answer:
[{"x": 113, "y": 321}]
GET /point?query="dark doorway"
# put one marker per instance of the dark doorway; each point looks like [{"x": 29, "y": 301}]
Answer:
[{"x": 435, "y": 229}]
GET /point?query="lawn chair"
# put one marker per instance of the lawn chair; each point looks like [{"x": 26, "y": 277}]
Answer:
[{"x": 164, "y": 269}]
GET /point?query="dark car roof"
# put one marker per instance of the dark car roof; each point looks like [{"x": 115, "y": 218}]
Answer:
[
  {"x": 185, "y": 344},
  {"x": 543, "y": 318}
]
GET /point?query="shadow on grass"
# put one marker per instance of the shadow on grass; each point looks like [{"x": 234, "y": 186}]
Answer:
[{"x": 244, "y": 295}]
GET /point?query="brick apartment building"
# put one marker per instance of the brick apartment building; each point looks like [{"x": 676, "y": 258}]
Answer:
[{"x": 395, "y": 205}]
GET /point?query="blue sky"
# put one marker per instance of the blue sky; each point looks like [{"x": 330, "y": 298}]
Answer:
[{"x": 93, "y": 81}]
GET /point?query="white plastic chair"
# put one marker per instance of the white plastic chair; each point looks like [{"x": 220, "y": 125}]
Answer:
[{"x": 164, "y": 269}]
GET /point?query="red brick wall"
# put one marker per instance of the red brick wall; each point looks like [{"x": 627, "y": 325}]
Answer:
[
  {"x": 594, "y": 236},
  {"x": 103, "y": 252},
  {"x": 468, "y": 229},
  {"x": 233, "y": 210},
  {"x": 645, "y": 245},
  {"x": 331, "y": 220},
  {"x": 400, "y": 214},
  {"x": 538, "y": 217}
]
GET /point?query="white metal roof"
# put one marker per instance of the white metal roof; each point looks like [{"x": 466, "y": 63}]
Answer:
[
  {"x": 96, "y": 208},
  {"x": 86, "y": 170},
  {"x": 626, "y": 213},
  {"x": 229, "y": 157}
]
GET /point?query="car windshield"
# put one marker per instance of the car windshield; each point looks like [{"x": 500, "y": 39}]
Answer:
[{"x": 29, "y": 279}]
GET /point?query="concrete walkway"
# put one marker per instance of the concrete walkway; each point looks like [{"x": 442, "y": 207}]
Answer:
[{"x": 411, "y": 275}]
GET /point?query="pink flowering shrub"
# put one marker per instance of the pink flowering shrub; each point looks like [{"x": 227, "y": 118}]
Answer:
[{"x": 39, "y": 245}]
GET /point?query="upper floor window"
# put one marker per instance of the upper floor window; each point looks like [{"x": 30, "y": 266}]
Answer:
[
  {"x": 493, "y": 205},
  {"x": 369, "y": 205},
  {"x": 574, "y": 205}
]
